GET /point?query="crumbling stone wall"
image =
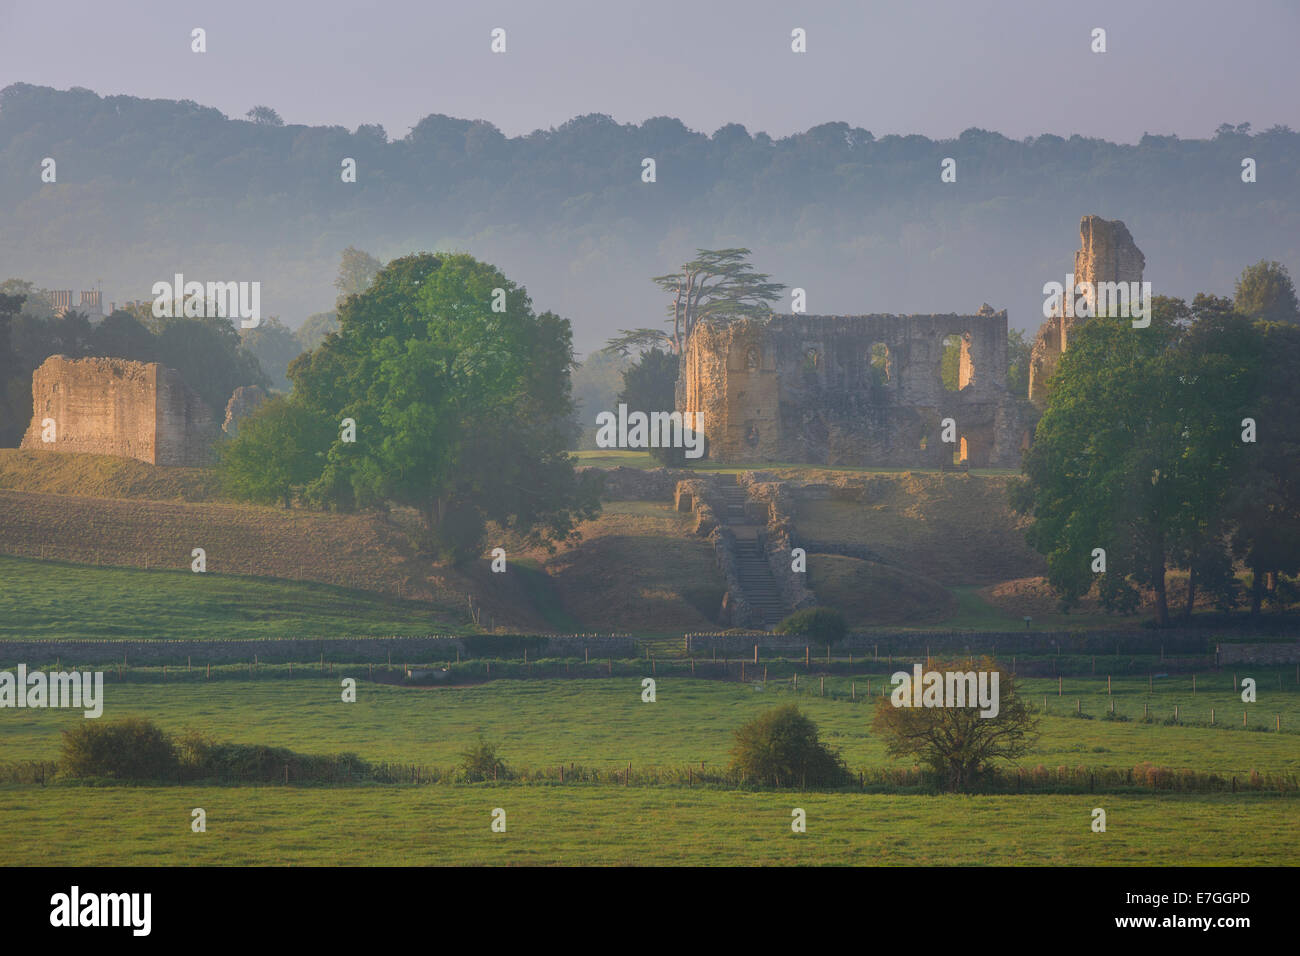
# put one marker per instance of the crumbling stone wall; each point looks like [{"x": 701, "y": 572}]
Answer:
[
  {"x": 801, "y": 388},
  {"x": 110, "y": 406},
  {"x": 244, "y": 400},
  {"x": 1107, "y": 253}
]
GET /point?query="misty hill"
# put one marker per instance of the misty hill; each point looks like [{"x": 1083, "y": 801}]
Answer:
[{"x": 147, "y": 188}]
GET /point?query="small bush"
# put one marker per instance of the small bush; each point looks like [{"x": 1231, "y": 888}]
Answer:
[
  {"x": 781, "y": 748},
  {"x": 822, "y": 625},
  {"x": 132, "y": 748},
  {"x": 481, "y": 762}
]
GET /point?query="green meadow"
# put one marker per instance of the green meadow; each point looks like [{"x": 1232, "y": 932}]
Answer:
[
  {"x": 48, "y": 600},
  {"x": 602, "y": 722},
  {"x": 605, "y": 825}
]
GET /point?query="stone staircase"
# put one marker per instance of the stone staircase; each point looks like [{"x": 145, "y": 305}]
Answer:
[{"x": 756, "y": 578}]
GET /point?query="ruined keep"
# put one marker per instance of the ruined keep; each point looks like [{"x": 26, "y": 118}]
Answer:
[
  {"x": 852, "y": 390},
  {"x": 110, "y": 406},
  {"x": 1106, "y": 253}
]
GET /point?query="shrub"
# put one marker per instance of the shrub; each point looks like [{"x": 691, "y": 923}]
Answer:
[
  {"x": 132, "y": 748},
  {"x": 481, "y": 762},
  {"x": 781, "y": 748},
  {"x": 823, "y": 625}
]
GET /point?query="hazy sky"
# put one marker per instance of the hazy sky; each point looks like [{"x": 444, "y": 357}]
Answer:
[{"x": 905, "y": 67}]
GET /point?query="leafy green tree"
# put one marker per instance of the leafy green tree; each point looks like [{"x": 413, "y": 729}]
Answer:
[
  {"x": 1264, "y": 505},
  {"x": 649, "y": 385},
  {"x": 35, "y": 302},
  {"x": 822, "y": 625},
  {"x": 957, "y": 744},
  {"x": 462, "y": 413},
  {"x": 481, "y": 762},
  {"x": 122, "y": 335},
  {"x": 950, "y": 362},
  {"x": 1018, "y": 351},
  {"x": 10, "y": 427},
  {"x": 357, "y": 269},
  {"x": 717, "y": 285},
  {"x": 781, "y": 748},
  {"x": 131, "y": 748},
  {"x": 208, "y": 355},
  {"x": 1134, "y": 452},
  {"x": 596, "y": 384},
  {"x": 72, "y": 334},
  {"x": 274, "y": 346},
  {"x": 314, "y": 328},
  {"x": 1265, "y": 291},
  {"x": 264, "y": 116},
  {"x": 278, "y": 448}
]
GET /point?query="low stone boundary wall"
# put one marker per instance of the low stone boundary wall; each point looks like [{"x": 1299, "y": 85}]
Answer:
[{"x": 1259, "y": 653}]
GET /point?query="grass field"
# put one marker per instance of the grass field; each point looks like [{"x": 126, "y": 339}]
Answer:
[
  {"x": 445, "y": 826},
  {"x": 51, "y": 600},
  {"x": 602, "y": 723}
]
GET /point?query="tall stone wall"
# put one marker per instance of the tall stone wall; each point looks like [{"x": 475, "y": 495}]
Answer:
[
  {"x": 801, "y": 388},
  {"x": 1107, "y": 253},
  {"x": 109, "y": 406}
]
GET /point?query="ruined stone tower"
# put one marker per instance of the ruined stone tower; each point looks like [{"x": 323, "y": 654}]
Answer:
[
  {"x": 1106, "y": 253},
  {"x": 111, "y": 406}
]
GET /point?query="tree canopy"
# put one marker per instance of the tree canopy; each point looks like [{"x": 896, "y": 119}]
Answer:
[
  {"x": 1143, "y": 460},
  {"x": 460, "y": 411}
]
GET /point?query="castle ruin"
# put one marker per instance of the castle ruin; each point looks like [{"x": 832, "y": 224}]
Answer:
[
  {"x": 853, "y": 390},
  {"x": 1106, "y": 253},
  {"x": 111, "y": 406}
]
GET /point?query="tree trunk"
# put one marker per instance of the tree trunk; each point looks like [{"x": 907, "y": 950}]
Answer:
[
  {"x": 1191, "y": 593},
  {"x": 1158, "y": 579},
  {"x": 1256, "y": 590}
]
